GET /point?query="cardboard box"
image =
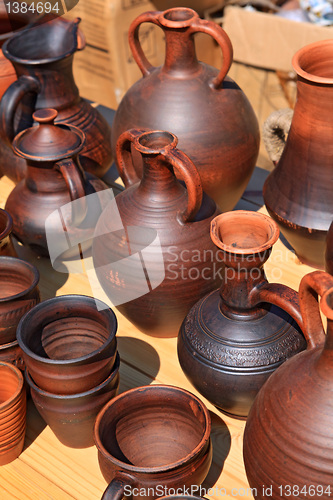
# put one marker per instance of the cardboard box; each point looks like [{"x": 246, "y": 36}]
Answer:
[
  {"x": 105, "y": 69},
  {"x": 266, "y": 40}
]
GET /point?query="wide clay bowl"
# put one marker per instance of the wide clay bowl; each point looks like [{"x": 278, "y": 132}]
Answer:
[
  {"x": 68, "y": 343},
  {"x": 6, "y": 227},
  {"x": 12, "y": 412},
  {"x": 72, "y": 416},
  {"x": 18, "y": 293},
  {"x": 153, "y": 436}
]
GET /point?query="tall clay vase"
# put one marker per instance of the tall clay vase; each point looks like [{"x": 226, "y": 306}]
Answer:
[
  {"x": 43, "y": 58},
  {"x": 298, "y": 193},
  {"x": 233, "y": 339},
  {"x": 156, "y": 260},
  {"x": 288, "y": 440},
  {"x": 207, "y": 111}
]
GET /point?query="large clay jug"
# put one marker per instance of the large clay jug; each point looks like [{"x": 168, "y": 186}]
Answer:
[
  {"x": 233, "y": 339},
  {"x": 207, "y": 111},
  {"x": 288, "y": 440},
  {"x": 43, "y": 58},
  {"x": 162, "y": 261},
  {"x": 298, "y": 193}
]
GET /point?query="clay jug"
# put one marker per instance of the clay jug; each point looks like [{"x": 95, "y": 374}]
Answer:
[
  {"x": 288, "y": 440},
  {"x": 207, "y": 111},
  {"x": 54, "y": 179},
  {"x": 298, "y": 192},
  {"x": 43, "y": 57},
  {"x": 160, "y": 261},
  {"x": 234, "y": 338},
  {"x": 6, "y": 227}
]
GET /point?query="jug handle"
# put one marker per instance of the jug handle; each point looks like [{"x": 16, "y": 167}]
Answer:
[
  {"x": 116, "y": 489},
  {"x": 197, "y": 24},
  {"x": 176, "y": 158},
  {"x": 75, "y": 184},
  {"x": 274, "y": 132},
  {"x": 9, "y": 102}
]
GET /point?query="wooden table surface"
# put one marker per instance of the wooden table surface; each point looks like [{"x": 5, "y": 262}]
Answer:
[{"x": 48, "y": 470}]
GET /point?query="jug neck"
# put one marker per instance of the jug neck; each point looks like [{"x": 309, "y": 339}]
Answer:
[{"x": 180, "y": 53}]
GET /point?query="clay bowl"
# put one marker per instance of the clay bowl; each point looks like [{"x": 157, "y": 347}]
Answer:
[
  {"x": 153, "y": 436},
  {"x": 6, "y": 227},
  {"x": 68, "y": 343},
  {"x": 72, "y": 416},
  {"x": 12, "y": 412},
  {"x": 18, "y": 293}
]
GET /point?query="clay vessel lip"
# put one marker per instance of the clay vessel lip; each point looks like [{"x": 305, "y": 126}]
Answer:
[
  {"x": 20, "y": 381},
  {"x": 13, "y": 262},
  {"x": 8, "y": 223},
  {"x": 326, "y": 304},
  {"x": 155, "y": 142},
  {"x": 65, "y": 300},
  {"x": 247, "y": 216},
  {"x": 78, "y": 395},
  {"x": 177, "y": 17},
  {"x": 7, "y": 346},
  {"x": 163, "y": 468},
  {"x": 307, "y": 53}
]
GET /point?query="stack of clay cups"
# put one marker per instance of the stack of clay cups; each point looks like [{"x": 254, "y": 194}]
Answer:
[
  {"x": 18, "y": 294},
  {"x": 69, "y": 348},
  {"x": 12, "y": 412}
]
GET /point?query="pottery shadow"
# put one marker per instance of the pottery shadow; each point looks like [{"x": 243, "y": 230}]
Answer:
[
  {"x": 139, "y": 363},
  {"x": 221, "y": 441},
  {"x": 286, "y": 243},
  {"x": 35, "y": 424}
]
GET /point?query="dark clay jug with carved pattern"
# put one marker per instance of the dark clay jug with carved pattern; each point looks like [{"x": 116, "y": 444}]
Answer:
[
  {"x": 207, "y": 111},
  {"x": 233, "y": 339}
]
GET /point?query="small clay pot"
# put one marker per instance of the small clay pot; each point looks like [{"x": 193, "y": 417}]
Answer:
[
  {"x": 6, "y": 227},
  {"x": 18, "y": 293},
  {"x": 12, "y": 412},
  {"x": 72, "y": 416},
  {"x": 11, "y": 353},
  {"x": 153, "y": 436},
  {"x": 69, "y": 343}
]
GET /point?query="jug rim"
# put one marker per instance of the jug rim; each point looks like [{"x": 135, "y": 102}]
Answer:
[{"x": 303, "y": 52}]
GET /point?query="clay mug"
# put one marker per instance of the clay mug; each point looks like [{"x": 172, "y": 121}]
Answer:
[
  {"x": 6, "y": 227},
  {"x": 152, "y": 436},
  {"x": 12, "y": 412},
  {"x": 72, "y": 416},
  {"x": 18, "y": 293},
  {"x": 68, "y": 343}
]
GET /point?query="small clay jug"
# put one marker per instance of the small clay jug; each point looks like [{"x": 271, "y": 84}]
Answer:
[
  {"x": 162, "y": 261},
  {"x": 288, "y": 439},
  {"x": 151, "y": 439},
  {"x": 303, "y": 209},
  {"x": 54, "y": 179},
  {"x": 234, "y": 338},
  {"x": 207, "y": 111},
  {"x": 18, "y": 294},
  {"x": 6, "y": 227},
  {"x": 43, "y": 58}
]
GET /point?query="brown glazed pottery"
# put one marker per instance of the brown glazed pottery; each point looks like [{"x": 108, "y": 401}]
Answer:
[
  {"x": 298, "y": 192},
  {"x": 207, "y": 111},
  {"x": 234, "y": 338},
  {"x": 288, "y": 440},
  {"x": 12, "y": 412},
  {"x": 43, "y": 57},
  {"x": 72, "y": 416},
  {"x": 150, "y": 439},
  {"x": 163, "y": 260},
  {"x": 18, "y": 293},
  {"x": 6, "y": 227},
  {"x": 54, "y": 179},
  {"x": 69, "y": 343},
  {"x": 11, "y": 353}
]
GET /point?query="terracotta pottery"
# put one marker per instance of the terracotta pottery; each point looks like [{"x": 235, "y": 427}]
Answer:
[
  {"x": 11, "y": 353},
  {"x": 54, "y": 179},
  {"x": 72, "y": 416},
  {"x": 150, "y": 438},
  {"x": 6, "y": 227},
  {"x": 158, "y": 266},
  {"x": 288, "y": 440},
  {"x": 234, "y": 338},
  {"x": 207, "y": 111},
  {"x": 69, "y": 343},
  {"x": 304, "y": 209},
  {"x": 12, "y": 413},
  {"x": 43, "y": 57},
  {"x": 18, "y": 293}
]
